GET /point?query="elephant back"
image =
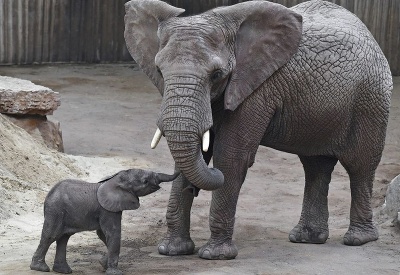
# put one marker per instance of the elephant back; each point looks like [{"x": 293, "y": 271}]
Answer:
[{"x": 332, "y": 37}]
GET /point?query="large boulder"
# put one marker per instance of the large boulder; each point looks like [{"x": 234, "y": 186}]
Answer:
[
  {"x": 19, "y": 96},
  {"x": 27, "y": 104}
]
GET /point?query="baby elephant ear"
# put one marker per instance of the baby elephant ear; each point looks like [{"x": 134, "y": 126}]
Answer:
[
  {"x": 115, "y": 199},
  {"x": 267, "y": 36}
]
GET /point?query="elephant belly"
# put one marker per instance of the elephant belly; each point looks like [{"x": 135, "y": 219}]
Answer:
[
  {"x": 308, "y": 131},
  {"x": 85, "y": 221}
]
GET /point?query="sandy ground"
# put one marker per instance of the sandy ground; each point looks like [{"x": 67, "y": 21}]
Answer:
[{"x": 108, "y": 115}]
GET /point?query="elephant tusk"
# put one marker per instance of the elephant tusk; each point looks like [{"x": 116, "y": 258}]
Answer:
[
  {"x": 206, "y": 141},
  {"x": 156, "y": 138}
]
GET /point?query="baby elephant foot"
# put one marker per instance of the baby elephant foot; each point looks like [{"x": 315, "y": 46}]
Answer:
[
  {"x": 62, "y": 268},
  {"x": 176, "y": 246},
  {"x": 306, "y": 234},
  {"x": 360, "y": 234},
  {"x": 104, "y": 262},
  {"x": 113, "y": 271},
  {"x": 218, "y": 251},
  {"x": 39, "y": 265}
]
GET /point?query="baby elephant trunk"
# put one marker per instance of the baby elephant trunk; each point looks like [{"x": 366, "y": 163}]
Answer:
[{"x": 166, "y": 178}]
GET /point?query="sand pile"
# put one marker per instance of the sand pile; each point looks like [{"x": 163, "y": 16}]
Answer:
[{"x": 28, "y": 169}]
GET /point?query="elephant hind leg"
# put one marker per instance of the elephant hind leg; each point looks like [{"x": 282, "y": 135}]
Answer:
[
  {"x": 361, "y": 229},
  {"x": 313, "y": 224},
  {"x": 60, "y": 261},
  {"x": 50, "y": 232}
]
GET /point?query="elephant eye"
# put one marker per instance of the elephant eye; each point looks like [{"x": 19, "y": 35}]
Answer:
[{"x": 216, "y": 75}]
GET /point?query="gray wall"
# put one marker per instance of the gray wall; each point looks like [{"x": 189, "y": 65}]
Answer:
[
  {"x": 42, "y": 31},
  {"x": 45, "y": 31}
]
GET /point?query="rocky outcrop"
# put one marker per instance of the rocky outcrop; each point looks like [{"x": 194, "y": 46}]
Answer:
[
  {"x": 27, "y": 105},
  {"x": 19, "y": 96}
]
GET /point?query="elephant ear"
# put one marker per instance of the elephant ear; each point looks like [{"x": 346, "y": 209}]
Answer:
[
  {"x": 268, "y": 35},
  {"x": 142, "y": 18},
  {"x": 114, "y": 198}
]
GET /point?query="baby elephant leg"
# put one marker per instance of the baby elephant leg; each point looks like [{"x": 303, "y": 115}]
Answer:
[
  {"x": 103, "y": 261},
  {"x": 60, "y": 261},
  {"x": 49, "y": 233},
  {"x": 111, "y": 229},
  {"x": 38, "y": 260}
]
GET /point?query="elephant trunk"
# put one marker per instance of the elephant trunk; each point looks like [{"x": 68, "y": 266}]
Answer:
[
  {"x": 183, "y": 121},
  {"x": 165, "y": 177}
]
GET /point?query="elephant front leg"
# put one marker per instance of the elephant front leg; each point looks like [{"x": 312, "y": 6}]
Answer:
[
  {"x": 313, "y": 224},
  {"x": 110, "y": 232},
  {"x": 223, "y": 208},
  {"x": 104, "y": 259},
  {"x": 177, "y": 240}
]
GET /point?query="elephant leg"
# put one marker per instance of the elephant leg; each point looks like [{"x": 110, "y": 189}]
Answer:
[
  {"x": 361, "y": 229},
  {"x": 223, "y": 209},
  {"x": 360, "y": 161},
  {"x": 177, "y": 240},
  {"x": 102, "y": 237},
  {"x": 51, "y": 227},
  {"x": 38, "y": 260},
  {"x": 313, "y": 224},
  {"x": 60, "y": 261},
  {"x": 111, "y": 233}
]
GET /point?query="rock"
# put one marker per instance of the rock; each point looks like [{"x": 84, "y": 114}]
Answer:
[
  {"x": 18, "y": 96},
  {"x": 392, "y": 201},
  {"x": 41, "y": 128}
]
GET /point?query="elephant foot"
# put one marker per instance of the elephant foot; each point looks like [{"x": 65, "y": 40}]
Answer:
[
  {"x": 176, "y": 246},
  {"x": 306, "y": 234},
  {"x": 62, "y": 268},
  {"x": 39, "y": 265},
  {"x": 113, "y": 271},
  {"x": 104, "y": 262},
  {"x": 218, "y": 251},
  {"x": 360, "y": 234}
]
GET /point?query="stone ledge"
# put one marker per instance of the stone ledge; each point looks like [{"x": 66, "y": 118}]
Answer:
[{"x": 19, "y": 96}]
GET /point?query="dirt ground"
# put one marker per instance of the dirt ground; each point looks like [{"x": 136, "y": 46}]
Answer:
[{"x": 110, "y": 111}]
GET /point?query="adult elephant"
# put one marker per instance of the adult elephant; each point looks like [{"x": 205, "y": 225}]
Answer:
[{"x": 309, "y": 80}]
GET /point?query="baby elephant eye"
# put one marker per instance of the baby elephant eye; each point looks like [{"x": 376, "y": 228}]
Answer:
[{"x": 216, "y": 75}]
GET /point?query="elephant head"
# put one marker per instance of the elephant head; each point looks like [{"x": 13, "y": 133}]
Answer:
[
  {"x": 221, "y": 55},
  {"x": 121, "y": 191}
]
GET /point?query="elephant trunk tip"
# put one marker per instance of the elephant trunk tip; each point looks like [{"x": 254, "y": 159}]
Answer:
[{"x": 167, "y": 178}]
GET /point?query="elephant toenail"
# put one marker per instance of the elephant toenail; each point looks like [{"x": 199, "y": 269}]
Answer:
[
  {"x": 356, "y": 241},
  {"x": 162, "y": 249},
  {"x": 206, "y": 254}
]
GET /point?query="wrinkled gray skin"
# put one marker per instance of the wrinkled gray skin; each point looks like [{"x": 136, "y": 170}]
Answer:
[
  {"x": 309, "y": 80},
  {"x": 73, "y": 206}
]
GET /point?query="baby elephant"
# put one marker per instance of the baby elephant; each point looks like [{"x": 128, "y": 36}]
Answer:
[{"x": 72, "y": 206}]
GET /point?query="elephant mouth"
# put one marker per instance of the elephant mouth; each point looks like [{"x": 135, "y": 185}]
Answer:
[
  {"x": 205, "y": 144},
  {"x": 189, "y": 158}
]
